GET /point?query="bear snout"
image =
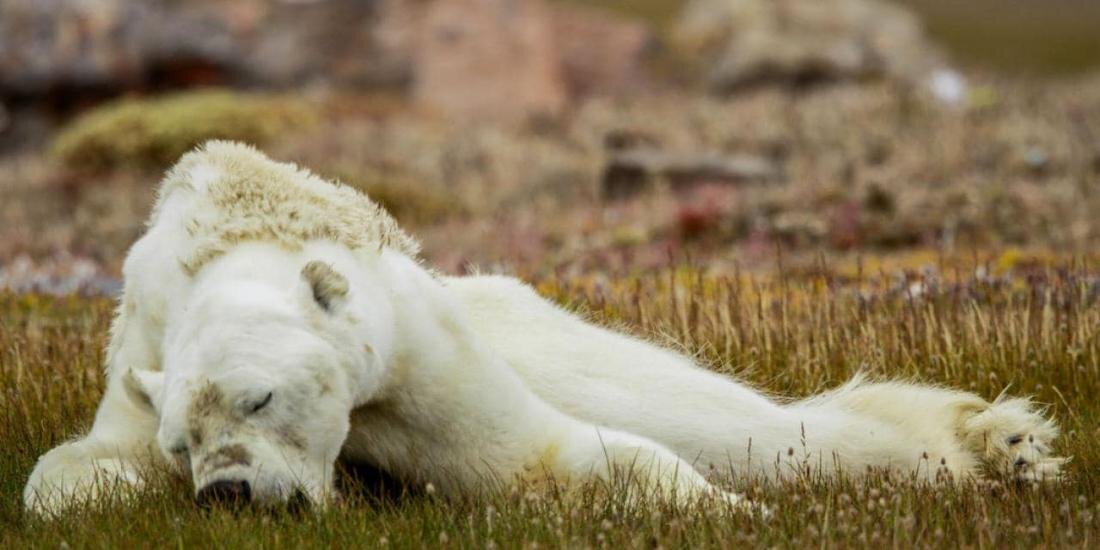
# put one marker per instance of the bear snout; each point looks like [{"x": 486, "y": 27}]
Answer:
[{"x": 224, "y": 492}]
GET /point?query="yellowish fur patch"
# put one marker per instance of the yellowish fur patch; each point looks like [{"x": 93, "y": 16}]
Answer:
[
  {"x": 242, "y": 195},
  {"x": 543, "y": 471}
]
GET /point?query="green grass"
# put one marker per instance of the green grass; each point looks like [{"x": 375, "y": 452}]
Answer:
[{"x": 792, "y": 334}]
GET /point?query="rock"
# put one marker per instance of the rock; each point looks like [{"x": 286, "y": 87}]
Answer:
[
  {"x": 53, "y": 43},
  {"x": 1036, "y": 160},
  {"x": 47, "y": 46},
  {"x": 601, "y": 54},
  {"x": 631, "y": 171},
  {"x": 948, "y": 86},
  {"x": 796, "y": 42},
  {"x": 488, "y": 59},
  {"x": 349, "y": 44},
  {"x": 484, "y": 59}
]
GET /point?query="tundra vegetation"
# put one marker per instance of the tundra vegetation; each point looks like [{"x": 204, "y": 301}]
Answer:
[
  {"x": 983, "y": 325},
  {"x": 898, "y": 237}
]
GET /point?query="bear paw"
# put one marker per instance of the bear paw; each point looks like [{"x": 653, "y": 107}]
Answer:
[
  {"x": 1030, "y": 458},
  {"x": 1013, "y": 436}
]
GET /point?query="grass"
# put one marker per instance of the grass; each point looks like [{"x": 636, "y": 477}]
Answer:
[
  {"x": 878, "y": 169},
  {"x": 1035, "y": 330}
]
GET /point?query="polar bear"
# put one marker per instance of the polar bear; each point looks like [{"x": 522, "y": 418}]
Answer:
[{"x": 272, "y": 322}]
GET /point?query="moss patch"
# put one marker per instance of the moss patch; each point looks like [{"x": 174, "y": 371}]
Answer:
[{"x": 151, "y": 133}]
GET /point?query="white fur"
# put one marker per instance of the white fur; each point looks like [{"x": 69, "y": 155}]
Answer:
[
  {"x": 452, "y": 381},
  {"x": 609, "y": 379}
]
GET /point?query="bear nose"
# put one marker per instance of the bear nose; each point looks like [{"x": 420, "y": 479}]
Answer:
[
  {"x": 224, "y": 492},
  {"x": 298, "y": 502}
]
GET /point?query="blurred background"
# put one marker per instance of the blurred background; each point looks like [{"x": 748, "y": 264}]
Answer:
[{"x": 573, "y": 137}]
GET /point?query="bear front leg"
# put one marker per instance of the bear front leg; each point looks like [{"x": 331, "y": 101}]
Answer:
[
  {"x": 649, "y": 468},
  {"x": 111, "y": 458},
  {"x": 77, "y": 472}
]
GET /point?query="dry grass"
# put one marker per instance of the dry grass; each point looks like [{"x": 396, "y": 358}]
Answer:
[
  {"x": 876, "y": 175},
  {"x": 1037, "y": 332}
]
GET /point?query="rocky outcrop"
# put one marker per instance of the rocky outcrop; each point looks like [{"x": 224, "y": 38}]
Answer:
[
  {"x": 634, "y": 170},
  {"x": 109, "y": 45},
  {"x": 601, "y": 54},
  {"x": 482, "y": 59},
  {"x": 744, "y": 43},
  {"x": 470, "y": 58}
]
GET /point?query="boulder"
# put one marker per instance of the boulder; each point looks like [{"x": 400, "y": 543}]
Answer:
[
  {"x": 479, "y": 59},
  {"x": 344, "y": 44},
  {"x": 601, "y": 54},
  {"x": 108, "y": 46},
  {"x": 488, "y": 59},
  {"x": 633, "y": 170},
  {"x": 46, "y": 44},
  {"x": 745, "y": 43}
]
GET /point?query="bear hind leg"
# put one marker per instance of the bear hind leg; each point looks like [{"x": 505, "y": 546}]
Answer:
[{"x": 649, "y": 469}]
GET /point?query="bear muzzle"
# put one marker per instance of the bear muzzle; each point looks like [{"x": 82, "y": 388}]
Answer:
[{"x": 228, "y": 493}]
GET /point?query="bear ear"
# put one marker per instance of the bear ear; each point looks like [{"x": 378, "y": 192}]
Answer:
[
  {"x": 327, "y": 288},
  {"x": 145, "y": 387}
]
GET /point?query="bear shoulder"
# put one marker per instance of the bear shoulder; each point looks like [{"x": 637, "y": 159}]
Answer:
[{"x": 234, "y": 193}]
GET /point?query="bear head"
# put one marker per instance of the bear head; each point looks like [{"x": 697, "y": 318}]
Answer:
[{"x": 257, "y": 388}]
